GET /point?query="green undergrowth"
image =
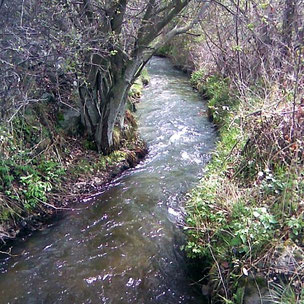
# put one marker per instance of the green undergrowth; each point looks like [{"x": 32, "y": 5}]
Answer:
[
  {"x": 29, "y": 167},
  {"x": 29, "y": 176},
  {"x": 176, "y": 50},
  {"x": 96, "y": 165},
  {"x": 39, "y": 163},
  {"x": 215, "y": 89},
  {"x": 247, "y": 212},
  {"x": 165, "y": 51}
]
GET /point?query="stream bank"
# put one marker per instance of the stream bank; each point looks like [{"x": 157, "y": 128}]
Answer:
[
  {"x": 124, "y": 246},
  {"x": 48, "y": 164},
  {"x": 245, "y": 218}
]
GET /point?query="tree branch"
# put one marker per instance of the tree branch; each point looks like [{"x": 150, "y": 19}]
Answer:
[{"x": 152, "y": 34}]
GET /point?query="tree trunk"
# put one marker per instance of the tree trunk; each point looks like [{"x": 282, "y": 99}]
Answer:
[
  {"x": 103, "y": 104},
  {"x": 104, "y": 131},
  {"x": 108, "y": 80}
]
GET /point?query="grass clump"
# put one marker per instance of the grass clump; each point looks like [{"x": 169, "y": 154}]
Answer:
[
  {"x": 247, "y": 211},
  {"x": 216, "y": 90}
]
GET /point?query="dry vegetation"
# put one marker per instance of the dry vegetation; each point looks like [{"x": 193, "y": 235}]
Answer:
[{"x": 245, "y": 219}]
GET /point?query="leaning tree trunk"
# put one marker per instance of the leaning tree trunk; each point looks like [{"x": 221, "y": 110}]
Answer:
[
  {"x": 103, "y": 103},
  {"x": 108, "y": 79},
  {"x": 109, "y": 116}
]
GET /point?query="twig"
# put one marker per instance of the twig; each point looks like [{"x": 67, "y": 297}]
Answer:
[
  {"x": 52, "y": 206},
  {"x": 219, "y": 270},
  {"x": 297, "y": 72},
  {"x": 259, "y": 291},
  {"x": 8, "y": 252}
]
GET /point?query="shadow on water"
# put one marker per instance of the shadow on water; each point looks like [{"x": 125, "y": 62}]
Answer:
[{"x": 123, "y": 247}]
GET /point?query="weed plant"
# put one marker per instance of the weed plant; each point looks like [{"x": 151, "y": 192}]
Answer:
[{"x": 25, "y": 175}]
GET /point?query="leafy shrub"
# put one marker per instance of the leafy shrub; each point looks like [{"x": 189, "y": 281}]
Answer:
[
  {"x": 197, "y": 77},
  {"x": 35, "y": 190}
]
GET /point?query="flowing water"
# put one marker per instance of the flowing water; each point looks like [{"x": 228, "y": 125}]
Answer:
[{"x": 123, "y": 247}]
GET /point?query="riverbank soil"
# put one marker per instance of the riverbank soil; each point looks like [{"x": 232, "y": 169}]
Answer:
[
  {"x": 83, "y": 174},
  {"x": 48, "y": 163}
]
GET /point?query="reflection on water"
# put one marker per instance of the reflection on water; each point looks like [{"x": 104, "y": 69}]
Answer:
[{"x": 124, "y": 246}]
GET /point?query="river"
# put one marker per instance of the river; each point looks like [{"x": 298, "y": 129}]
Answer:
[{"x": 123, "y": 247}]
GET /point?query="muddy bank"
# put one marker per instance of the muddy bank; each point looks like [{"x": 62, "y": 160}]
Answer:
[
  {"x": 73, "y": 189},
  {"x": 48, "y": 163}
]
